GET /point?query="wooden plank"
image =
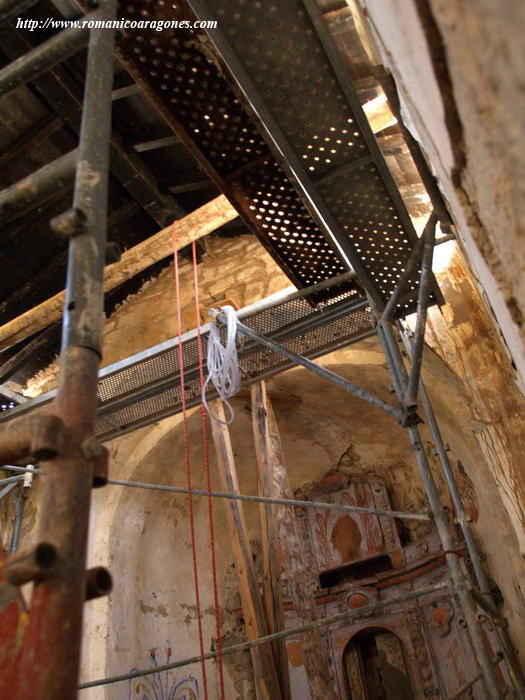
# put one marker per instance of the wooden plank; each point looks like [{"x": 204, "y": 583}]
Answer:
[
  {"x": 271, "y": 554},
  {"x": 190, "y": 228},
  {"x": 266, "y": 678},
  {"x": 315, "y": 654}
]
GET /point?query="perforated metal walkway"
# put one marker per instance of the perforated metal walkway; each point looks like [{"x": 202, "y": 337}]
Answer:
[
  {"x": 265, "y": 107},
  {"x": 145, "y": 387}
]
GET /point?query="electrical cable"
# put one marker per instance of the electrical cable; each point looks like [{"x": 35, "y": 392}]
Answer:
[{"x": 223, "y": 362}]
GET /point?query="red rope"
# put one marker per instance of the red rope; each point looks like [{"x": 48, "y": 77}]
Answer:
[
  {"x": 187, "y": 463},
  {"x": 205, "y": 445}
]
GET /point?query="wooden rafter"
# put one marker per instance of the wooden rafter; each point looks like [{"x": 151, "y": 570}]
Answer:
[{"x": 190, "y": 228}]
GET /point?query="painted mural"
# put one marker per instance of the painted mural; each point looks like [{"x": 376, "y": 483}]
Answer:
[
  {"x": 412, "y": 649},
  {"x": 163, "y": 685},
  {"x": 341, "y": 539}
]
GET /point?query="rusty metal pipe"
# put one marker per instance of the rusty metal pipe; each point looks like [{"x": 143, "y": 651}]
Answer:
[
  {"x": 55, "y": 621},
  {"x": 98, "y": 582},
  {"x": 40, "y": 436},
  {"x": 33, "y": 564}
]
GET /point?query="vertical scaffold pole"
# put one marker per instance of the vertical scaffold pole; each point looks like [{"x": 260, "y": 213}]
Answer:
[
  {"x": 51, "y": 650},
  {"x": 459, "y": 580},
  {"x": 470, "y": 542}
]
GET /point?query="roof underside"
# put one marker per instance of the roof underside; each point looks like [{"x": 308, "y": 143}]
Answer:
[{"x": 184, "y": 128}]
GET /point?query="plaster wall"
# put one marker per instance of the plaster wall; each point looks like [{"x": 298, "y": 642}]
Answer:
[
  {"x": 142, "y": 536},
  {"x": 459, "y": 69}
]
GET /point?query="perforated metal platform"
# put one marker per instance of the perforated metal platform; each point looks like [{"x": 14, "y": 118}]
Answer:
[
  {"x": 258, "y": 103},
  {"x": 145, "y": 388}
]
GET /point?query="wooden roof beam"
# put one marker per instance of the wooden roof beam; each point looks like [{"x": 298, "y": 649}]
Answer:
[{"x": 192, "y": 227}]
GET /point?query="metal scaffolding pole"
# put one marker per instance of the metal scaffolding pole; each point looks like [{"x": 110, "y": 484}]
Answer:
[
  {"x": 472, "y": 548},
  {"x": 7, "y": 489},
  {"x": 410, "y": 267},
  {"x": 410, "y": 398},
  {"x": 318, "y": 505},
  {"x": 19, "y": 510},
  {"x": 291, "y": 631},
  {"x": 401, "y": 381},
  {"x": 46, "y": 666},
  {"x": 460, "y": 582},
  {"x": 17, "y": 522},
  {"x": 73, "y": 458},
  {"x": 323, "y": 372},
  {"x": 463, "y": 688}
]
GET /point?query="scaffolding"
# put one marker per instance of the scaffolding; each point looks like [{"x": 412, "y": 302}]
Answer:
[
  {"x": 63, "y": 437},
  {"x": 46, "y": 665}
]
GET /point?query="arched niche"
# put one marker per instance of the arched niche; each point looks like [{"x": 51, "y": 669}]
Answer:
[
  {"x": 145, "y": 533},
  {"x": 375, "y": 666}
]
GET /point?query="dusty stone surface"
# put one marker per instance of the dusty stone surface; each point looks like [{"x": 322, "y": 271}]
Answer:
[
  {"x": 245, "y": 273},
  {"x": 480, "y": 165},
  {"x": 484, "y": 45},
  {"x": 466, "y": 339}
]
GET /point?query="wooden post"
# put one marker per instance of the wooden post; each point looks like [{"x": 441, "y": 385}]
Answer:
[
  {"x": 266, "y": 678},
  {"x": 271, "y": 554},
  {"x": 316, "y": 659}
]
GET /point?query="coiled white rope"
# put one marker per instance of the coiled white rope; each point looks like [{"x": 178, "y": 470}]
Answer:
[{"x": 223, "y": 363}]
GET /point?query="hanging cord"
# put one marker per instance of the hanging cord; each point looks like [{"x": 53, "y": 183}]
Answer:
[
  {"x": 205, "y": 447},
  {"x": 187, "y": 462},
  {"x": 223, "y": 363}
]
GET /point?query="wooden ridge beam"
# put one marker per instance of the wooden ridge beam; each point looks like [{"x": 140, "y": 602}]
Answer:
[
  {"x": 14, "y": 304},
  {"x": 45, "y": 339},
  {"x": 190, "y": 228}
]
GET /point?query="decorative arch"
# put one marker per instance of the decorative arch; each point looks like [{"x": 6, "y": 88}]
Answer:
[{"x": 375, "y": 665}]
